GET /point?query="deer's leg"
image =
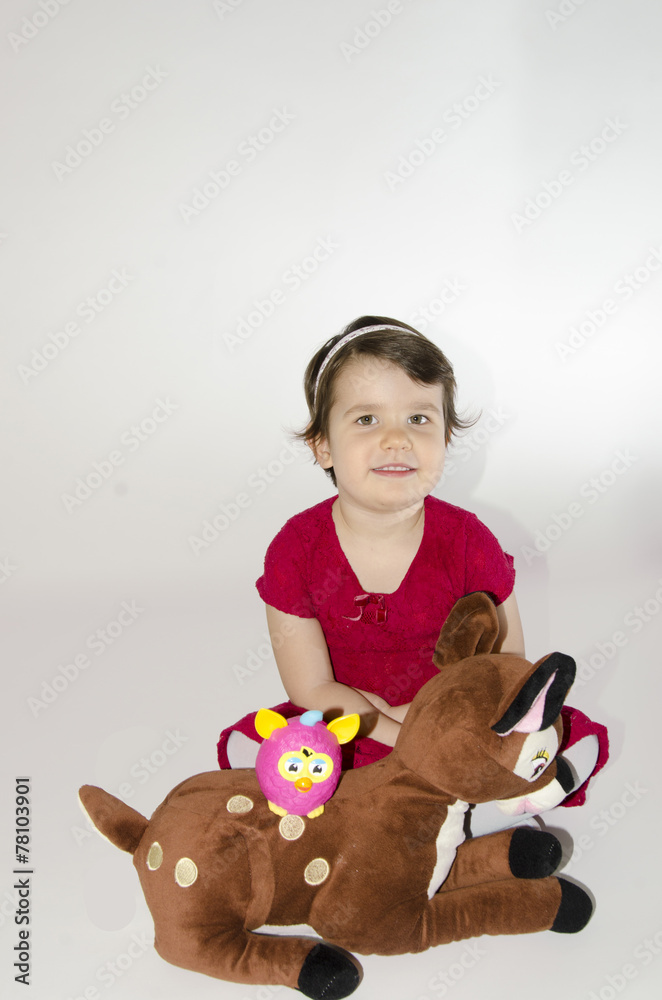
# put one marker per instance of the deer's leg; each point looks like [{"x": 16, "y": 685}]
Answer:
[
  {"x": 506, "y": 907},
  {"x": 521, "y": 851},
  {"x": 512, "y": 906},
  {"x": 240, "y": 956}
]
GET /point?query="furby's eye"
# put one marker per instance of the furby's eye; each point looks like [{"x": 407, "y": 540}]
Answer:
[
  {"x": 293, "y": 765},
  {"x": 318, "y": 768}
]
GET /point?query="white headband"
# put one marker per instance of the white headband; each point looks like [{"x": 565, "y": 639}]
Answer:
[{"x": 351, "y": 336}]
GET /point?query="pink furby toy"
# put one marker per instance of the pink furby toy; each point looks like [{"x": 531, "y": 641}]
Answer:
[{"x": 298, "y": 765}]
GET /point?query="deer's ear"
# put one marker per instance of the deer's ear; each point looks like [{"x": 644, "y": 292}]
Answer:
[
  {"x": 471, "y": 628},
  {"x": 538, "y": 702},
  {"x": 114, "y": 819}
]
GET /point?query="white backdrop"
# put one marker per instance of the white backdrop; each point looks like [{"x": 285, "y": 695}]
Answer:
[{"x": 196, "y": 195}]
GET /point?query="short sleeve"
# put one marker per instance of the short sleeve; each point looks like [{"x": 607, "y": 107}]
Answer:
[
  {"x": 284, "y": 583},
  {"x": 487, "y": 566}
]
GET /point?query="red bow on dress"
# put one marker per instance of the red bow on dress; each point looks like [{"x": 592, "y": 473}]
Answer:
[{"x": 363, "y": 602}]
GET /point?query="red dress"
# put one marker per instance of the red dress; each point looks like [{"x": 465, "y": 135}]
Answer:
[{"x": 382, "y": 643}]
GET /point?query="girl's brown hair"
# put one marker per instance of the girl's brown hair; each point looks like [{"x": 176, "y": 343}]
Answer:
[{"x": 405, "y": 347}]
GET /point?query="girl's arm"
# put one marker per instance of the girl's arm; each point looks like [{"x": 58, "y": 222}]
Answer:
[
  {"x": 511, "y": 636},
  {"x": 302, "y": 657}
]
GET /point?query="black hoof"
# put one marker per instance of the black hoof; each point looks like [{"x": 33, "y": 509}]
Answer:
[
  {"x": 533, "y": 853},
  {"x": 328, "y": 973},
  {"x": 574, "y": 911}
]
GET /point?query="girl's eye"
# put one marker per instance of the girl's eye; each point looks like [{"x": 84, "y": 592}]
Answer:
[
  {"x": 366, "y": 420},
  {"x": 419, "y": 418}
]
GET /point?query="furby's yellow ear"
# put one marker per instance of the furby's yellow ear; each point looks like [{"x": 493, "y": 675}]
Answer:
[
  {"x": 345, "y": 728},
  {"x": 266, "y": 721}
]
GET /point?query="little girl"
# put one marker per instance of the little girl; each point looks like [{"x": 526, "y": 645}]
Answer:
[{"x": 358, "y": 587}]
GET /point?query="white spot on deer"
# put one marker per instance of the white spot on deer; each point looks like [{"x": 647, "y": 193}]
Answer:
[
  {"x": 291, "y": 827},
  {"x": 154, "y": 856},
  {"x": 239, "y": 804},
  {"x": 449, "y": 838},
  {"x": 186, "y": 872},
  {"x": 316, "y": 871}
]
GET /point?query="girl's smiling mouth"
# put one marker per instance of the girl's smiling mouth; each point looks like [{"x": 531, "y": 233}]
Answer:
[{"x": 394, "y": 470}]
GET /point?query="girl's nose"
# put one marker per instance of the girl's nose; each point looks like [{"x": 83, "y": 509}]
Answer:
[{"x": 396, "y": 438}]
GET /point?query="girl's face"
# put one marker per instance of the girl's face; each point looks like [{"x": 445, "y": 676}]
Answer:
[{"x": 386, "y": 439}]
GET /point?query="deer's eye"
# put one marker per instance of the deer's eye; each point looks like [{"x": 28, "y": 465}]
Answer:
[{"x": 537, "y": 752}]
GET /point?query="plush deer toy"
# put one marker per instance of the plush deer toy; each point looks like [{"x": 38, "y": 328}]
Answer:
[{"x": 386, "y": 869}]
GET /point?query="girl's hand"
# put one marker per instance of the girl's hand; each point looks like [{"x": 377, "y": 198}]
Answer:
[
  {"x": 380, "y": 704},
  {"x": 397, "y": 712}
]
